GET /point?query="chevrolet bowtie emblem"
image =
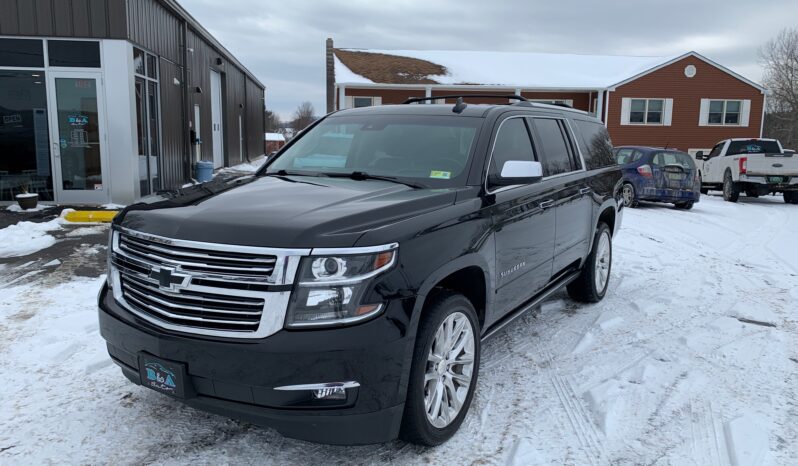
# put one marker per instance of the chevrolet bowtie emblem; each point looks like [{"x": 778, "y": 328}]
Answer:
[{"x": 168, "y": 279}]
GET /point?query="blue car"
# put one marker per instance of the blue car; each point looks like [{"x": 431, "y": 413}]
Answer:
[{"x": 658, "y": 175}]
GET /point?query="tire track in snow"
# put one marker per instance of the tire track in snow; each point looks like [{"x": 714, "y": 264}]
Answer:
[
  {"x": 706, "y": 444},
  {"x": 582, "y": 424}
]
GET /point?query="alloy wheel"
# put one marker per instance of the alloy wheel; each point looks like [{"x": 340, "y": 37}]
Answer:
[
  {"x": 628, "y": 195},
  {"x": 603, "y": 259},
  {"x": 450, "y": 366}
]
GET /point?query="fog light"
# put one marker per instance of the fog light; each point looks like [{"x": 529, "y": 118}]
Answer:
[{"x": 330, "y": 393}]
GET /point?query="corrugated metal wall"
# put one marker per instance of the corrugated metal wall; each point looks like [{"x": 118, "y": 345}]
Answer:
[
  {"x": 255, "y": 118},
  {"x": 153, "y": 27},
  {"x": 64, "y": 18},
  {"x": 234, "y": 89},
  {"x": 242, "y": 97},
  {"x": 172, "y": 134}
]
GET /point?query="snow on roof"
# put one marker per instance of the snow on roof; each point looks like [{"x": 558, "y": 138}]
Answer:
[
  {"x": 513, "y": 69},
  {"x": 274, "y": 137}
]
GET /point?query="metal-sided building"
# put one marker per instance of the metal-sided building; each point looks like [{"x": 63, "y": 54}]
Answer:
[{"x": 110, "y": 100}]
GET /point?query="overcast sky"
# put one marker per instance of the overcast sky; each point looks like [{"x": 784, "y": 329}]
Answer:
[{"x": 282, "y": 42}]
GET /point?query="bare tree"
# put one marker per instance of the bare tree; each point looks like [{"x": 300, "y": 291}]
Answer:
[
  {"x": 303, "y": 116},
  {"x": 272, "y": 122},
  {"x": 779, "y": 57}
]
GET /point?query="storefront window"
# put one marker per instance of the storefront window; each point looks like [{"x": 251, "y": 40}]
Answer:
[
  {"x": 74, "y": 53},
  {"x": 24, "y": 140},
  {"x": 21, "y": 53},
  {"x": 148, "y": 123},
  {"x": 79, "y": 133}
]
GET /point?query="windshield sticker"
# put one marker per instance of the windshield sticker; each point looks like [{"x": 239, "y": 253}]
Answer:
[{"x": 441, "y": 175}]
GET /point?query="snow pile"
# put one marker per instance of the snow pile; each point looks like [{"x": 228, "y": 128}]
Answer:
[
  {"x": 244, "y": 168},
  {"x": 39, "y": 207},
  {"x": 25, "y": 238}
]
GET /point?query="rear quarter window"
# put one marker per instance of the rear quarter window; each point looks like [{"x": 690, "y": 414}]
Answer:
[{"x": 598, "y": 146}]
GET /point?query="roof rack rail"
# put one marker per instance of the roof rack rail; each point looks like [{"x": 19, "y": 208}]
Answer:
[{"x": 414, "y": 100}]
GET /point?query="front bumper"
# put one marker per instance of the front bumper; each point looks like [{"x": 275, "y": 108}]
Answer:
[{"x": 236, "y": 378}]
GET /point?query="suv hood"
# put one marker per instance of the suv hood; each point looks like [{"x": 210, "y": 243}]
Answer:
[{"x": 286, "y": 212}]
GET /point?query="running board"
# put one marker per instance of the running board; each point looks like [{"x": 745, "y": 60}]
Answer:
[{"x": 518, "y": 312}]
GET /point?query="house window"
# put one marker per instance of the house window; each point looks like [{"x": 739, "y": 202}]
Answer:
[
  {"x": 724, "y": 112},
  {"x": 363, "y": 102},
  {"x": 646, "y": 111}
]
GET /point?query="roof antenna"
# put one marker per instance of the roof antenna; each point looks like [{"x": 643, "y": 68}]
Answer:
[
  {"x": 666, "y": 145},
  {"x": 459, "y": 106}
]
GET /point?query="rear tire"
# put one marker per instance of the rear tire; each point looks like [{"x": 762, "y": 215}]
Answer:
[
  {"x": 731, "y": 190},
  {"x": 592, "y": 283},
  {"x": 791, "y": 197},
  {"x": 629, "y": 195},
  {"x": 417, "y": 427}
]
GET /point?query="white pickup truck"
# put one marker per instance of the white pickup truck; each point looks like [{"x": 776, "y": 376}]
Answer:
[{"x": 755, "y": 167}]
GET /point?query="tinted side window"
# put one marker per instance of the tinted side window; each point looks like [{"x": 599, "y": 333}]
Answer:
[
  {"x": 598, "y": 151},
  {"x": 553, "y": 145},
  {"x": 716, "y": 150},
  {"x": 512, "y": 143}
]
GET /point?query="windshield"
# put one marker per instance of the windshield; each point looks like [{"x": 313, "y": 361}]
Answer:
[
  {"x": 753, "y": 146},
  {"x": 432, "y": 150}
]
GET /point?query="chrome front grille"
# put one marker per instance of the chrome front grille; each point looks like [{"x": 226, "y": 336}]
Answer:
[
  {"x": 257, "y": 267},
  {"x": 203, "y": 288}
]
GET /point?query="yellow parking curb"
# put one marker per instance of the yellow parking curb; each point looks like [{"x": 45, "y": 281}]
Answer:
[{"x": 91, "y": 215}]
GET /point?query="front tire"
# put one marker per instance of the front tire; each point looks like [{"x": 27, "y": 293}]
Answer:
[
  {"x": 731, "y": 190},
  {"x": 791, "y": 197},
  {"x": 444, "y": 371},
  {"x": 591, "y": 284},
  {"x": 684, "y": 205}
]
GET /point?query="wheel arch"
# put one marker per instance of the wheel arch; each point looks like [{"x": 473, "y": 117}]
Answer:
[{"x": 467, "y": 275}]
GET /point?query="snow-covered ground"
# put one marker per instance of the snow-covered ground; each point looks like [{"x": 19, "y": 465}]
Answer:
[{"x": 691, "y": 359}]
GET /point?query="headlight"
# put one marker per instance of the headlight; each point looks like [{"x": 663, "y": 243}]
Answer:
[
  {"x": 332, "y": 287},
  {"x": 109, "y": 278}
]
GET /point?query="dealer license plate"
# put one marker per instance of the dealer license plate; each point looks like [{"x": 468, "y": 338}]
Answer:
[
  {"x": 775, "y": 179},
  {"x": 163, "y": 376}
]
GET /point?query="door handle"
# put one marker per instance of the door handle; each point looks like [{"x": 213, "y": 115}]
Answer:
[
  {"x": 56, "y": 150},
  {"x": 584, "y": 191},
  {"x": 546, "y": 204}
]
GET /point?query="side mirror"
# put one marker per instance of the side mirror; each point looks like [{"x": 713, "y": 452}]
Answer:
[{"x": 518, "y": 172}]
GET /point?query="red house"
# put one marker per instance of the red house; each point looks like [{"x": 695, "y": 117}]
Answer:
[{"x": 686, "y": 101}]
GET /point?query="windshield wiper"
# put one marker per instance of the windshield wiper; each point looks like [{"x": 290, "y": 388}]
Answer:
[{"x": 358, "y": 175}]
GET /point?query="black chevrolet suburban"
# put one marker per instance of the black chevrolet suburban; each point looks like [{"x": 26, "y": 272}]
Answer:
[{"x": 341, "y": 293}]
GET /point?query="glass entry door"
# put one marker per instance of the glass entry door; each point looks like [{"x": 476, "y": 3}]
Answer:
[{"x": 78, "y": 137}]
